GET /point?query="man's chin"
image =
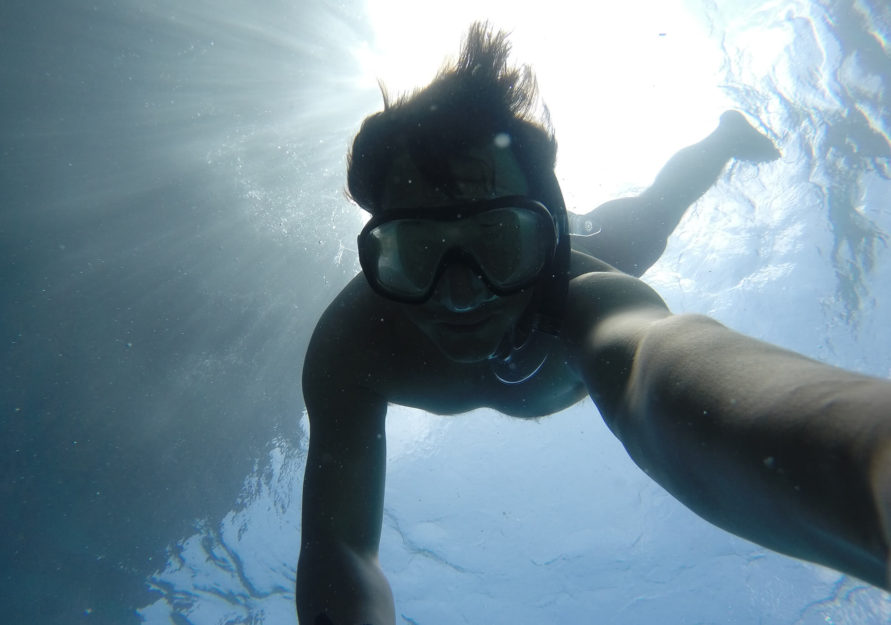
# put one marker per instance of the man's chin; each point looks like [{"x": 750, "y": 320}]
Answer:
[
  {"x": 466, "y": 350},
  {"x": 466, "y": 358}
]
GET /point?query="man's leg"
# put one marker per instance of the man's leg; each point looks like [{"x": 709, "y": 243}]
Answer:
[{"x": 631, "y": 233}]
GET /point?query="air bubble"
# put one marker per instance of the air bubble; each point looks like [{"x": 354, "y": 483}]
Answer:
[{"x": 502, "y": 140}]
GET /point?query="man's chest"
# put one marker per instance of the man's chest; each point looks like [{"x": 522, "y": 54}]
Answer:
[{"x": 443, "y": 387}]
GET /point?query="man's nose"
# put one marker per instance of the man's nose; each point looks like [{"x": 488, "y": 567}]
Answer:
[{"x": 460, "y": 289}]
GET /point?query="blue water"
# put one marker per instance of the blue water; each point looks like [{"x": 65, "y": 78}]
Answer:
[{"x": 172, "y": 223}]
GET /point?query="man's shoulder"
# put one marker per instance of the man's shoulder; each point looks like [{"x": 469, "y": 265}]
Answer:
[
  {"x": 357, "y": 320},
  {"x": 355, "y": 303},
  {"x": 597, "y": 296},
  {"x": 590, "y": 277},
  {"x": 363, "y": 339},
  {"x": 581, "y": 263}
]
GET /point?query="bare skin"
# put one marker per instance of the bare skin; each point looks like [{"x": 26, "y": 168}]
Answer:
[{"x": 763, "y": 442}]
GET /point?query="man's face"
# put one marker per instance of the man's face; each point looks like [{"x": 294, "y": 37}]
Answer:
[{"x": 463, "y": 317}]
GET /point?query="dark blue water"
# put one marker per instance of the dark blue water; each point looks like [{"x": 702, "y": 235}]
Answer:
[{"x": 172, "y": 223}]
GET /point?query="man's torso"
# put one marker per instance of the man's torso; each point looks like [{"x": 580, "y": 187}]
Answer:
[{"x": 365, "y": 341}]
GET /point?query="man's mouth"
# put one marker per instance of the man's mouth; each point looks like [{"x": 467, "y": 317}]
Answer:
[{"x": 464, "y": 324}]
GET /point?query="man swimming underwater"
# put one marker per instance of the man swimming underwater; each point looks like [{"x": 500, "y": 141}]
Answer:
[{"x": 471, "y": 297}]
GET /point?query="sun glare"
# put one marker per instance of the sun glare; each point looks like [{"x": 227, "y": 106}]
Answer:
[{"x": 627, "y": 84}]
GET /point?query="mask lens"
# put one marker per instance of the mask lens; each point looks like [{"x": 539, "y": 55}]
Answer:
[
  {"x": 406, "y": 255},
  {"x": 512, "y": 245}
]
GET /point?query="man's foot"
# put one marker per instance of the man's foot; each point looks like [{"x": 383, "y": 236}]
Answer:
[{"x": 748, "y": 144}]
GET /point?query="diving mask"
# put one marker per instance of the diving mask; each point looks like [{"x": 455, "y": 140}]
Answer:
[{"x": 507, "y": 241}]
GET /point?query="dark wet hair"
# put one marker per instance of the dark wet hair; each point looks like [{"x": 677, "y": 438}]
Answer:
[{"x": 469, "y": 103}]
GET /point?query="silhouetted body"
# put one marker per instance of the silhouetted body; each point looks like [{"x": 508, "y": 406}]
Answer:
[{"x": 468, "y": 277}]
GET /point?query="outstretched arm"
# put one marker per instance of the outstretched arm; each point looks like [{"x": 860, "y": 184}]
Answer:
[
  {"x": 631, "y": 233},
  {"x": 765, "y": 443},
  {"x": 339, "y": 580}
]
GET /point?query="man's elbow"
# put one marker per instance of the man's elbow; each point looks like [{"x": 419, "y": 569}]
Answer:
[{"x": 336, "y": 583}]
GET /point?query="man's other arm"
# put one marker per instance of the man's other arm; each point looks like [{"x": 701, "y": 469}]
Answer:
[
  {"x": 339, "y": 579},
  {"x": 765, "y": 443}
]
